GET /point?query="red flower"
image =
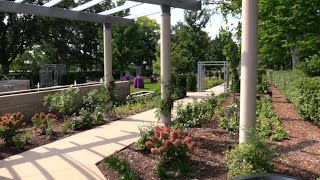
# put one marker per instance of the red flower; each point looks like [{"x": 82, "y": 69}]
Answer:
[
  {"x": 154, "y": 150},
  {"x": 166, "y": 129},
  {"x": 168, "y": 144},
  {"x": 177, "y": 143},
  {"x": 174, "y": 134},
  {"x": 171, "y": 139},
  {"x": 148, "y": 144},
  {"x": 179, "y": 132},
  {"x": 155, "y": 139},
  {"x": 187, "y": 140},
  {"x": 162, "y": 149},
  {"x": 164, "y": 135}
]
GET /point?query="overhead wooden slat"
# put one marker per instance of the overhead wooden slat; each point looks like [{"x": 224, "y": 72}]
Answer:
[{"x": 10, "y": 6}]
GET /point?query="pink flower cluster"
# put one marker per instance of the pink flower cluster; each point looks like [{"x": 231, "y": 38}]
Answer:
[
  {"x": 164, "y": 139},
  {"x": 11, "y": 120}
]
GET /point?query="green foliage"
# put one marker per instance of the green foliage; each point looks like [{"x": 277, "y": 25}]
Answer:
[
  {"x": 230, "y": 120},
  {"x": 44, "y": 122},
  {"x": 85, "y": 121},
  {"x": 195, "y": 114},
  {"x": 282, "y": 35},
  {"x": 191, "y": 83},
  {"x": 164, "y": 107},
  {"x": 231, "y": 52},
  {"x": 20, "y": 140},
  {"x": 178, "y": 86},
  {"x": 212, "y": 82},
  {"x": 252, "y": 158},
  {"x": 10, "y": 125},
  {"x": 63, "y": 102},
  {"x": 267, "y": 124},
  {"x": 311, "y": 67},
  {"x": 302, "y": 91},
  {"x": 120, "y": 165},
  {"x": 66, "y": 126},
  {"x": 136, "y": 105},
  {"x": 70, "y": 77},
  {"x": 98, "y": 99},
  {"x": 134, "y": 44}
]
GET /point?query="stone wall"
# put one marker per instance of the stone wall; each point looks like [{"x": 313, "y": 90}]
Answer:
[{"x": 29, "y": 103}]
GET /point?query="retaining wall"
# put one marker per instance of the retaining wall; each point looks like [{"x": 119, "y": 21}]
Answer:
[
  {"x": 29, "y": 103},
  {"x": 14, "y": 85}
]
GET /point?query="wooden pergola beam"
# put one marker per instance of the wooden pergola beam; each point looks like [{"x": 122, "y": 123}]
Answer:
[
  {"x": 12, "y": 7},
  {"x": 193, "y": 5}
]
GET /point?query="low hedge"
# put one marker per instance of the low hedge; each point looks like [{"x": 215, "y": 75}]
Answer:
[{"x": 302, "y": 91}]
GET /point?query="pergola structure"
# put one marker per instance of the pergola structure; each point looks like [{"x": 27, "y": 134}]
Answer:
[
  {"x": 248, "y": 46},
  {"x": 106, "y": 18},
  {"x": 200, "y": 77}
]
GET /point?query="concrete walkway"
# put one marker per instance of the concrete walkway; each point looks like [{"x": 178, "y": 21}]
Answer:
[{"x": 75, "y": 157}]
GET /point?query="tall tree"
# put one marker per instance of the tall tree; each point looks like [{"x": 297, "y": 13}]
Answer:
[
  {"x": 16, "y": 33},
  {"x": 231, "y": 52}
]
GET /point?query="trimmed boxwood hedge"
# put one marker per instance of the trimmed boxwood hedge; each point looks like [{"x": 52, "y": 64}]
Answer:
[{"x": 302, "y": 91}]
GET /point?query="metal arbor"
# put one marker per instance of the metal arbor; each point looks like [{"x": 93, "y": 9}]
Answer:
[{"x": 201, "y": 73}]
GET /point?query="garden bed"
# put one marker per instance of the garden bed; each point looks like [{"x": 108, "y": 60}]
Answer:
[
  {"x": 299, "y": 153},
  {"x": 37, "y": 139}
]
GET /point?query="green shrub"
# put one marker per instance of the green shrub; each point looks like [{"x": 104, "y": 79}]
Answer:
[
  {"x": 44, "y": 122},
  {"x": 67, "y": 126},
  {"x": 302, "y": 91},
  {"x": 98, "y": 99},
  {"x": 230, "y": 119},
  {"x": 10, "y": 125},
  {"x": 63, "y": 102},
  {"x": 120, "y": 165},
  {"x": 191, "y": 83},
  {"x": 211, "y": 82},
  {"x": 268, "y": 124},
  {"x": 70, "y": 77},
  {"x": 252, "y": 158},
  {"x": 195, "y": 114},
  {"x": 311, "y": 67},
  {"x": 178, "y": 86},
  {"x": 20, "y": 140},
  {"x": 85, "y": 121},
  {"x": 136, "y": 105}
]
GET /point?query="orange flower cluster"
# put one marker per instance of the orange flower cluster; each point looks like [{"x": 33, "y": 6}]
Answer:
[
  {"x": 164, "y": 139},
  {"x": 11, "y": 121},
  {"x": 41, "y": 120}
]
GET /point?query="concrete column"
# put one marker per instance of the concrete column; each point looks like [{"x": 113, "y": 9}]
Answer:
[
  {"x": 165, "y": 37},
  {"x": 107, "y": 52},
  {"x": 249, "y": 48}
]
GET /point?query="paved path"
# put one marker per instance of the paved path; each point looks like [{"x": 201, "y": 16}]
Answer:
[{"x": 75, "y": 157}]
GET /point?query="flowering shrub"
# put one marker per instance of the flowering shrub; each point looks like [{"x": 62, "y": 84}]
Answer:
[
  {"x": 172, "y": 146},
  {"x": 169, "y": 143},
  {"x": 10, "y": 125},
  {"x": 44, "y": 123}
]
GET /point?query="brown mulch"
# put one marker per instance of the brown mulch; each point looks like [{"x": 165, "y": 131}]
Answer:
[{"x": 300, "y": 153}]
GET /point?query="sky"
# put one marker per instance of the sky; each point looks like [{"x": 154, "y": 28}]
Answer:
[{"x": 154, "y": 11}]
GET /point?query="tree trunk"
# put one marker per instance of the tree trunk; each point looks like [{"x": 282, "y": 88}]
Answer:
[{"x": 295, "y": 54}]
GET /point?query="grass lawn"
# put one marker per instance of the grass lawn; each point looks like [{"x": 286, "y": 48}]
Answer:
[{"x": 147, "y": 86}]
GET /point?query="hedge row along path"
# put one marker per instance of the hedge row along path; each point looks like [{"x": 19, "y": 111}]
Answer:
[{"x": 300, "y": 153}]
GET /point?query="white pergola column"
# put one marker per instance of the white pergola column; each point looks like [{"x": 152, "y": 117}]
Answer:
[
  {"x": 107, "y": 53},
  {"x": 165, "y": 37},
  {"x": 249, "y": 53}
]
